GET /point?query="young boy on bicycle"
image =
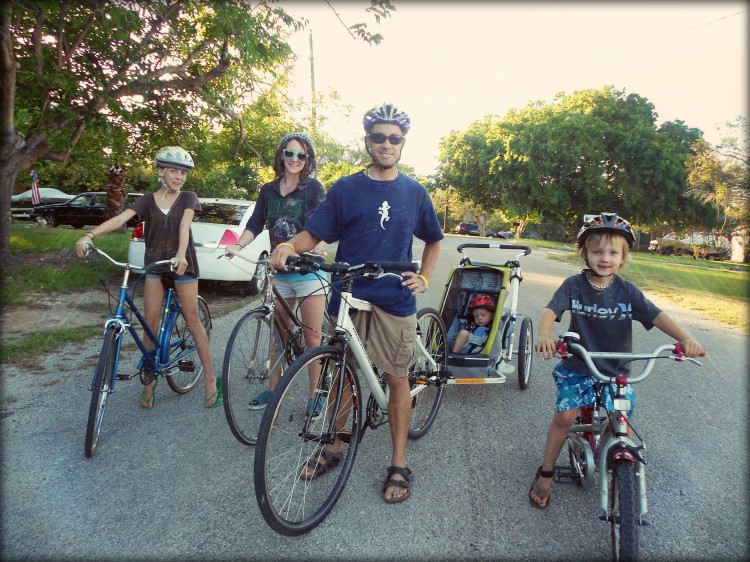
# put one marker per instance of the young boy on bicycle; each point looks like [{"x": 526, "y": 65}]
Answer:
[{"x": 603, "y": 307}]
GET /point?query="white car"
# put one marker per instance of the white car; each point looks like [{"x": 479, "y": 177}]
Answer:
[{"x": 219, "y": 224}]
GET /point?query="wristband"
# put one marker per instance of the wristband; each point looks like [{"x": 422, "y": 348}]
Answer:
[
  {"x": 240, "y": 245},
  {"x": 424, "y": 280},
  {"x": 91, "y": 234},
  {"x": 287, "y": 244}
]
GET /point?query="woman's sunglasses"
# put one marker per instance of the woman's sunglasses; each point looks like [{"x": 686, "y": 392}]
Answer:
[
  {"x": 379, "y": 138},
  {"x": 290, "y": 154}
]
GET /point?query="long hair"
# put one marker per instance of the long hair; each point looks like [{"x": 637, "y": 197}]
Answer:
[{"x": 310, "y": 162}]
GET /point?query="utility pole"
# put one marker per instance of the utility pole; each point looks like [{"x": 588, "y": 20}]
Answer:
[{"x": 312, "y": 87}]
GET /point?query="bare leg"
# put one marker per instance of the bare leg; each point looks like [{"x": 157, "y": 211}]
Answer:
[
  {"x": 153, "y": 297},
  {"x": 399, "y": 414},
  {"x": 188, "y": 294},
  {"x": 312, "y": 309},
  {"x": 556, "y": 435}
]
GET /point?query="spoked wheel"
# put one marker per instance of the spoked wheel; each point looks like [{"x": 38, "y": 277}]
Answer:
[
  {"x": 431, "y": 347},
  {"x": 525, "y": 352},
  {"x": 103, "y": 377},
  {"x": 257, "y": 284},
  {"x": 290, "y": 442},
  {"x": 183, "y": 379},
  {"x": 624, "y": 512},
  {"x": 254, "y": 351}
]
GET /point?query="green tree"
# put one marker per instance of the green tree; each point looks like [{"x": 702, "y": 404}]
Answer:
[{"x": 159, "y": 72}]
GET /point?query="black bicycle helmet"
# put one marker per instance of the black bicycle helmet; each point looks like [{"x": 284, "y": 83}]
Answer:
[
  {"x": 605, "y": 222},
  {"x": 174, "y": 157},
  {"x": 386, "y": 113}
]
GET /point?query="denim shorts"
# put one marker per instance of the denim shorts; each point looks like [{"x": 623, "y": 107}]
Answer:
[
  {"x": 178, "y": 279},
  {"x": 577, "y": 389},
  {"x": 298, "y": 289}
]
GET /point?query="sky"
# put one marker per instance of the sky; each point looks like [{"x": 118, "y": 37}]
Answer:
[{"x": 448, "y": 64}]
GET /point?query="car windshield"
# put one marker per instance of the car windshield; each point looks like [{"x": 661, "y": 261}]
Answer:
[{"x": 220, "y": 213}]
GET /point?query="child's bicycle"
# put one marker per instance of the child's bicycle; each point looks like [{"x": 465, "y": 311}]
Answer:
[
  {"x": 174, "y": 356},
  {"x": 501, "y": 281},
  {"x": 607, "y": 442},
  {"x": 290, "y": 442},
  {"x": 260, "y": 345}
]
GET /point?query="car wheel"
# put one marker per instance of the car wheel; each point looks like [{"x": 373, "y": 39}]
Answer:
[
  {"x": 77, "y": 225},
  {"x": 255, "y": 285},
  {"x": 51, "y": 219}
]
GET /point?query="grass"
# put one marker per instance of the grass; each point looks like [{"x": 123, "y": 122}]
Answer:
[
  {"x": 699, "y": 285},
  {"x": 42, "y": 342}
]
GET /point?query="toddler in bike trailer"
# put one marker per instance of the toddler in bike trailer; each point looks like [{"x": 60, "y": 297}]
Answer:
[
  {"x": 472, "y": 338},
  {"x": 602, "y": 309}
]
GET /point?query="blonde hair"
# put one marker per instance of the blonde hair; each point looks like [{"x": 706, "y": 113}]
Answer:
[{"x": 597, "y": 239}]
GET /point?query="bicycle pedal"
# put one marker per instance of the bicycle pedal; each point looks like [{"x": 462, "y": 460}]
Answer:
[
  {"x": 124, "y": 377},
  {"x": 564, "y": 475},
  {"x": 186, "y": 366}
]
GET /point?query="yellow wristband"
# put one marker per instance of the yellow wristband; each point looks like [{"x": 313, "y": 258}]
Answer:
[
  {"x": 424, "y": 280},
  {"x": 287, "y": 244}
]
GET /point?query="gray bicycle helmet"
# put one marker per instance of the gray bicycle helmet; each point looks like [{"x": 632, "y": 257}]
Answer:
[
  {"x": 174, "y": 157},
  {"x": 606, "y": 222},
  {"x": 386, "y": 113}
]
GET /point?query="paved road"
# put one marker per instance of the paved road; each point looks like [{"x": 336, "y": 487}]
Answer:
[{"x": 173, "y": 483}]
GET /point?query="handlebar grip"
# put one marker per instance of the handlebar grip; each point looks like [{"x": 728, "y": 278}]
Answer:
[{"x": 400, "y": 266}]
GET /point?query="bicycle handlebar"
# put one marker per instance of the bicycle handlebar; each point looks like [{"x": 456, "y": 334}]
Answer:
[
  {"x": 568, "y": 344},
  {"x": 89, "y": 246},
  {"x": 526, "y": 249},
  {"x": 372, "y": 269}
]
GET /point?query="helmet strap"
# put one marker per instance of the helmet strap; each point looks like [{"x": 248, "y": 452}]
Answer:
[
  {"x": 165, "y": 186},
  {"x": 593, "y": 273}
]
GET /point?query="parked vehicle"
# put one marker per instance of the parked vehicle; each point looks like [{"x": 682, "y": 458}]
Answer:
[
  {"x": 219, "y": 224},
  {"x": 86, "y": 209},
  {"x": 671, "y": 247},
  {"x": 468, "y": 228},
  {"x": 494, "y": 234},
  {"x": 22, "y": 208}
]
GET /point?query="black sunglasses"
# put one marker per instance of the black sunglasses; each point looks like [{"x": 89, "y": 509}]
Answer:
[
  {"x": 290, "y": 154},
  {"x": 379, "y": 138}
]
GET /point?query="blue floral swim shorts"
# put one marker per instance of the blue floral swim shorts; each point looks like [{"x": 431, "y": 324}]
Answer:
[{"x": 577, "y": 389}]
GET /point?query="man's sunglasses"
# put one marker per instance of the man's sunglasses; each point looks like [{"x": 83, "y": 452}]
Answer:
[
  {"x": 379, "y": 138},
  {"x": 290, "y": 154}
]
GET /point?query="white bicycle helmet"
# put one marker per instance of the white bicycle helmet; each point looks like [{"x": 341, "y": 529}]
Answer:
[
  {"x": 386, "y": 113},
  {"x": 174, "y": 157},
  {"x": 301, "y": 136}
]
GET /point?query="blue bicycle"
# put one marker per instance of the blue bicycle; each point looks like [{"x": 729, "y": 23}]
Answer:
[{"x": 174, "y": 356}]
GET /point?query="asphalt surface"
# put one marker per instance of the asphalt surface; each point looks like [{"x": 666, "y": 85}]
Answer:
[{"x": 173, "y": 483}]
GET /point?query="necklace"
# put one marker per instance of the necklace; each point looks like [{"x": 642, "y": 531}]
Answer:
[
  {"x": 597, "y": 287},
  {"x": 367, "y": 173}
]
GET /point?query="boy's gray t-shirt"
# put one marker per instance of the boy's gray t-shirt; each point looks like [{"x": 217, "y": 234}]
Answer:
[{"x": 603, "y": 319}]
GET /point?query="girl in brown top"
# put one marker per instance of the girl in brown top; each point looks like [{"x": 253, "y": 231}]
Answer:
[{"x": 168, "y": 214}]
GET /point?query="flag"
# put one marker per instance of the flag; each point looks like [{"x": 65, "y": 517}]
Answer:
[{"x": 36, "y": 196}]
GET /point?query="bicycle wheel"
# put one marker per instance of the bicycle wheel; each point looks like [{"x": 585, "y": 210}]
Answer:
[
  {"x": 254, "y": 350},
  {"x": 290, "y": 442},
  {"x": 432, "y": 344},
  {"x": 183, "y": 377},
  {"x": 525, "y": 352},
  {"x": 103, "y": 377},
  {"x": 623, "y": 512}
]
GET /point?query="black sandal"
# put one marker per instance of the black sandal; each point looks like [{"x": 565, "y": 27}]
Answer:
[
  {"x": 320, "y": 463},
  {"x": 543, "y": 494},
  {"x": 405, "y": 483}
]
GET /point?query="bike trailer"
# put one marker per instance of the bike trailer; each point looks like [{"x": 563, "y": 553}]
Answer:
[{"x": 466, "y": 281}]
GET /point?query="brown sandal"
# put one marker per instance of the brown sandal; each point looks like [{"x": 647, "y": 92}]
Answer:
[
  {"x": 405, "y": 472},
  {"x": 543, "y": 494},
  {"x": 320, "y": 463}
]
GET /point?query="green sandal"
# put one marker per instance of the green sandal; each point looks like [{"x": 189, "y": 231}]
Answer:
[
  {"x": 150, "y": 402},
  {"x": 218, "y": 394}
]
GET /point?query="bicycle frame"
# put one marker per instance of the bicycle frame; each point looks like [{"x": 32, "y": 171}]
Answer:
[{"x": 156, "y": 360}]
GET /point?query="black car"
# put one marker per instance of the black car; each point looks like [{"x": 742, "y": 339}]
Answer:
[
  {"x": 22, "y": 207},
  {"x": 86, "y": 209},
  {"x": 468, "y": 228}
]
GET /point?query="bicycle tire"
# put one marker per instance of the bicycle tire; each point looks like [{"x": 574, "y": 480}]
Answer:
[
  {"x": 183, "y": 380},
  {"x": 426, "y": 404},
  {"x": 103, "y": 377},
  {"x": 291, "y": 504},
  {"x": 255, "y": 348},
  {"x": 525, "y": 353},
  {"x": 623, "y": 512}
]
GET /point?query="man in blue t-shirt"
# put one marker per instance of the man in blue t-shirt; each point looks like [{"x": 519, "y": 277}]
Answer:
[{"x": 374, "y": 215}]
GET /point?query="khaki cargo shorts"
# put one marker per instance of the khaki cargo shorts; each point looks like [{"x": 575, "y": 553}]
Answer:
[{"x": 389, "y": 340}]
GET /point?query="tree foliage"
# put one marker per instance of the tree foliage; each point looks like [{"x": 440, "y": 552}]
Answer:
[{"x": 591, "y": 151}]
